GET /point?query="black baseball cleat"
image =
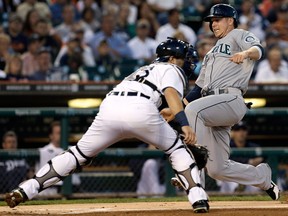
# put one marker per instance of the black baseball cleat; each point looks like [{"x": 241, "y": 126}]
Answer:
[
  {"x": 273, "y": 191},
  {"x": 201, "y": 206},
  {"x": 15, "y": 197}
]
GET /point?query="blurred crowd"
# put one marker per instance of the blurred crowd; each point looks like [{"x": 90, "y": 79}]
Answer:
[{"x": 61, "y": 40}]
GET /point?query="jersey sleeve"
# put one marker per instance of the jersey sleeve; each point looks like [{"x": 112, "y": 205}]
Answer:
[
  {"x": 248, "y": 40},
  {"x": 172, "y": 78}
]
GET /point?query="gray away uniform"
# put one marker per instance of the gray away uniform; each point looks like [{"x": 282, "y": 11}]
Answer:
[{"x": 223, "y": 83}]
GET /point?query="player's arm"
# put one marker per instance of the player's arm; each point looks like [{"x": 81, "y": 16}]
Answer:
[
  {"x": 175, "y": 104},
  {"x": 253, "y": 53},
  {"x": 194, "y": 94}
]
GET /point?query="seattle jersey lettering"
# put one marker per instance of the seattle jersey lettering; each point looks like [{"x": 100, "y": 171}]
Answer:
[{"x": 222, "y": 48}]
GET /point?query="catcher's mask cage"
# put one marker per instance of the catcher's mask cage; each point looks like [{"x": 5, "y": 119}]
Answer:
[
  {"x": 178, "y": 49},
  {"x": 222, "y": 10}
]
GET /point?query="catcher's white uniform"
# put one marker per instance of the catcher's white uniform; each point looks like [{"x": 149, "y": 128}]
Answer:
[{"x": 130, "y": 110}]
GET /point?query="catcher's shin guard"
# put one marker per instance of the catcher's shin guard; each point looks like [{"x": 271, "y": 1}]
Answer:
[
  {"x": 185, "y": 178},
  {"x": 49, "y": 178},
  {"x": 187, "y": 173},
  {"x": 185, "y": 169},
  {"x": 60, "y": 167}
]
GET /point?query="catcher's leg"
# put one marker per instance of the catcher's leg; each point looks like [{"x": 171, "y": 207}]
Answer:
[
  {"x": 51, "y": 173},
  {"x": 188, "y": 175},
  {"x": 54, "y": 171}
]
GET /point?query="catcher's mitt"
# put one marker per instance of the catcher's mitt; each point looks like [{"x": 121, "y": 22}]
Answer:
[{"x": 200, "y": 154}]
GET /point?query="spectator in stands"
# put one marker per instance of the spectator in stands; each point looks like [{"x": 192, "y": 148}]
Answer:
[
  {"x": 30, "y": 22},
  {"x": 151, "y": 182},
  {"x": 265, "y": 6},
  {"x": 113, "y": 7},
  {"x": 145, "y": 12},
  {"x": 90, "y": 15},
  {"x": 88, "y": 18},
  {"x": 12, "y": 171},
  {"x": 83, "y": 32},
  {"x": 272, "y": 69},
  {"x": 239, "y": 134},
  {"x": 15, "y": 31},
  {"x": 72, "y": 61},
  {"x": 117, "y": 45},
  {"x": 30, "y": 64},
  {"x": 204, "y": 31},
  {"x": 174, "y": 25},
  {"x": 64, "y": 30},
  {"x": 87, "y": 53},
  {"x": 13, "y": 69},
  {"x": 272, "y": 12},
  {"x": 179, "y": 35},
  {"x": 92, "y": 6},
  {"x": 142, "y": 42},
  {"x": 56, "y": 9},
  {"x": 40, "y": 7},
  {"x": 47, "y": 37},
  {"x": 49, "y": 151},
  {"x": 106, "y": 66},
  {"x": 5, "y": 50},
  {"x": 46, "y": 71},
  {"x": 194, "y": 7},
  {"x": 280, "y": 25},
  {"x": 122, "y": 25},
  {"x": 250, "y": 19},
  {"x": 272, "y": 39},
  {"x": 162, "y": 8}
]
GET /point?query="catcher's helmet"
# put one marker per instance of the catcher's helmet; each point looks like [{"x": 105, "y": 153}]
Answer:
[
  {"x": 222, "y": 10},
  {"x": 178, "y": 49}
]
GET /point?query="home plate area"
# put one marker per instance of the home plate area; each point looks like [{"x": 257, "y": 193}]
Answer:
[{"x": 217, "y": 208}]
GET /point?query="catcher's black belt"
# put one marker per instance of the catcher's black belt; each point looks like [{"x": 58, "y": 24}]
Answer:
[{"x": 123, "y": 93}]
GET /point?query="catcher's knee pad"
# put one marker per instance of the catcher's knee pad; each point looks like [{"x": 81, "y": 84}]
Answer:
[{"x": 80, "y": 157}]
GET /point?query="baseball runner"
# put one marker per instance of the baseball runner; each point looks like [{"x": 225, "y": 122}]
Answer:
[
  {"x": 216, "y": 103},
  {"x": 131, "y": 110}
]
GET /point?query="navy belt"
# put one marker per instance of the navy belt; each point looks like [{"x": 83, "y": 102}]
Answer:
[
  {"x": 123, "y": 93},
  {"x": 228, "y": 90},
  {"x": 221, "y": 91}
]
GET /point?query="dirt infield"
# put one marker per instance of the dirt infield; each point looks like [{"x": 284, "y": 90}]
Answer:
[{"x": 217, "y": 208}]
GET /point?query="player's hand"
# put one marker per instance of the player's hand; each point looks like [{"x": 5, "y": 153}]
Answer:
[
  {"x": 189, "y": 135},
  {"x": 239, "y": 57},
  {"x": 167, "y": 114}
]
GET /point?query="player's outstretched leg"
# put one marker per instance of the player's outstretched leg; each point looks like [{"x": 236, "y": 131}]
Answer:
[
  {"x": 273, "y": 191},
  {"x": 51, "y": 173},
  {"x": 187, "y": 174}
]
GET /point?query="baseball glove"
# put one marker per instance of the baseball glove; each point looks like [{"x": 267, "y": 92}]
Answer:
[{"x": 200, "y": 154}]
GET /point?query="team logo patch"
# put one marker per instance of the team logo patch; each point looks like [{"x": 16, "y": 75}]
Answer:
[{"x": 250, "y": 39}]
